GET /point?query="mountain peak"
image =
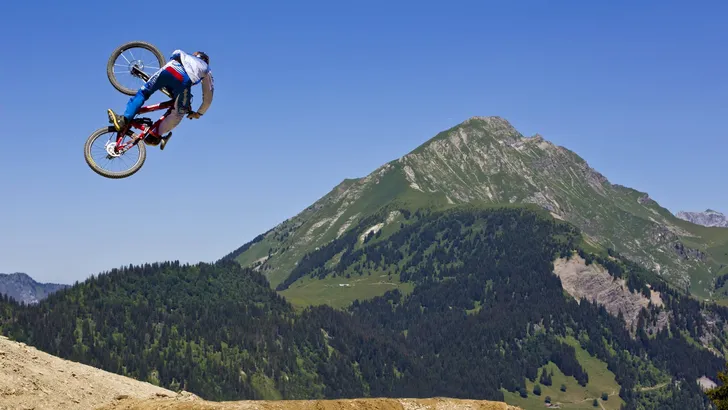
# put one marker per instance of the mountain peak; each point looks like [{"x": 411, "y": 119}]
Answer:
[
  {"x": 495, "y": 126},
  {"x": 23, "y": 288},
  {"x": 709, "y": 217},
  {"x": 485, "y": 160},
  {"x": 490, "y": 119},
  {"x": 502, "y": 130},
  {"x": 476, "y": 130},
  {"x": 17, "y": 275}
]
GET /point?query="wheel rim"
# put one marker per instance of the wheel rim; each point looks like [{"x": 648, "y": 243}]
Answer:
[
  {"x": 129, "y": 58},
  {"x": 103, "y": 156}
]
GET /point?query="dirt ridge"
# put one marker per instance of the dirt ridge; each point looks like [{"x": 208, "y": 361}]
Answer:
[
  {"x": 32, "y": 379},
  {"x": 187, "y": 402}
]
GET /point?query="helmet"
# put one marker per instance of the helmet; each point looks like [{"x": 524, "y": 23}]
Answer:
[{"x": 201, "y": 55}]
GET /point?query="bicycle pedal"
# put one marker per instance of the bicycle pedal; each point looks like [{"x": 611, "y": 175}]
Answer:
[{"x": 145, "y": 121}]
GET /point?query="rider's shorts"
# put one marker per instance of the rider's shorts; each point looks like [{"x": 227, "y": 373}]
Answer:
[{"x": 171, "y": 76}]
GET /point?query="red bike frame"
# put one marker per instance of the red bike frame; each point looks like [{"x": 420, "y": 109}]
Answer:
[{"x": 142, "y": 125}]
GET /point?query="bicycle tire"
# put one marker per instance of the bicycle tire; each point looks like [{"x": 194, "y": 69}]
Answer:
[
  {"x": 108, "y": 174},
  {"x": 117, "y": 52}
]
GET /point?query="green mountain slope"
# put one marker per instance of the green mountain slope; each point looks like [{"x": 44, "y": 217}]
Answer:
[
  {"x": 485, "y": 160},
  {"x": 494, "y": 303}
]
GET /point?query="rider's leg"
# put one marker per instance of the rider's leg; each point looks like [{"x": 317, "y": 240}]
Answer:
[
  {"x": 135, "y": 102},
  {"x": 182, "y": 105},
  {"x": 167, "y": 76}
]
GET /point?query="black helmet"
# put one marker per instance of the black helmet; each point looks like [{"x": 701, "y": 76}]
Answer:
[{"x": 201, "y": 55}]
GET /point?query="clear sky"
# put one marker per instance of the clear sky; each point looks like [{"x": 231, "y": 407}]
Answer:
[{"x": 310, "y": 93}]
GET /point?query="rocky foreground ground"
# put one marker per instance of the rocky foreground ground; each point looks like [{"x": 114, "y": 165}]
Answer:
[
  {"x": 31, "y": 379},
  {"x": 189, "y": 403}
]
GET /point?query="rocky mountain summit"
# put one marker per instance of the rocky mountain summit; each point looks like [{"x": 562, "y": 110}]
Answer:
[
  {"x": 23, "y": 288},
  {"x": 708, "y": 218}
]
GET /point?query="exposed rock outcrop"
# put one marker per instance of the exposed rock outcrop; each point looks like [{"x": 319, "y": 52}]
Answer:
[
  {"x": 688, "y": 253},
  {"x": 594, "y": 283},
  {"x": 707, "y": 218}
]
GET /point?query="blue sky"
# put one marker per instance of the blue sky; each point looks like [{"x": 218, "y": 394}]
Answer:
[{"x": 310, "y": 93}]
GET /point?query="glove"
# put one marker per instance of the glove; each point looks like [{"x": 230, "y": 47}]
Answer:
[{"x": 192, "y": 115}]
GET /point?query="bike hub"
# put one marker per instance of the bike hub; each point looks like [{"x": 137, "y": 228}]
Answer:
[
  {"x": 138, "y": 64},
  {"x": 111, "y": 149}
]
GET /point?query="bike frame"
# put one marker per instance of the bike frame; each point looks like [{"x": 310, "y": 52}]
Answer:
[{"x": 140, "y": 123}]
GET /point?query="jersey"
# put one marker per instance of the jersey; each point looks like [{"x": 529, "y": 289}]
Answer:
[{"x": 199, "y": 72}]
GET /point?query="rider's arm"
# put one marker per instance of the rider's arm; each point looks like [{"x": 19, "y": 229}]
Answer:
[{"x": 208, "y": 89}]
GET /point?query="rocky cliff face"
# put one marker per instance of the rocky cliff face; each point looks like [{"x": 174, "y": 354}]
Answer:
[
  {"x": 23, "y": 288},
  {"x": 486, "y": 160},
  {"x": 709, "y": 218},
  {"x": 596, "y": 284}
]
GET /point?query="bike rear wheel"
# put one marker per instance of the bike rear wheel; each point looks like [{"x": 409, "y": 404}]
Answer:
[
  {"x": 128, "y": 58},
  {"x": 131, "y": 160}
]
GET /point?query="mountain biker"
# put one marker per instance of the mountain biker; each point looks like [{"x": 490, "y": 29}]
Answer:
[{"x": 178, "y": 76}]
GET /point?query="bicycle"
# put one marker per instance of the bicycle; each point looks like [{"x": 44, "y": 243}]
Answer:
[{"x": 117, "y": 148}]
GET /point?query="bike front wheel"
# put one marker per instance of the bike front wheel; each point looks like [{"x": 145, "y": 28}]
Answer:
[
  {"x": 102, "y": 156},
  {"x": 131, "y": 64}
]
